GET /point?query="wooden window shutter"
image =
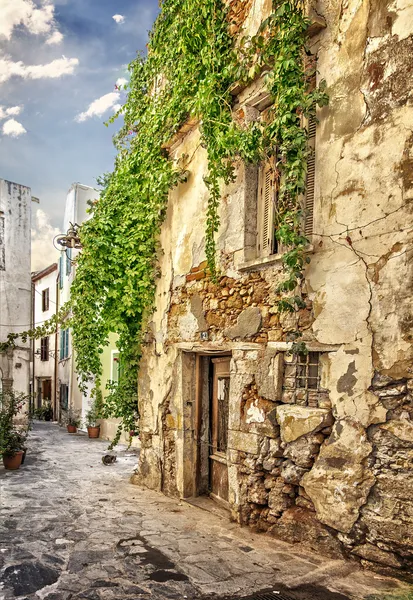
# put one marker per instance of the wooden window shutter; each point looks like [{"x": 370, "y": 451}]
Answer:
[
  {"x": 310, "y": 63},
  {"x": 310, "y": 178},
  {"x": 266, "y": 208},
  {"x": 67, "y": 344}
]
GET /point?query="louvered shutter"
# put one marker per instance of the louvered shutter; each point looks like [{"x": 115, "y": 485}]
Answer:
[
  {"x": 310, "y": 179},
  {"x": 68, "y": 261},
  {"x": 267, "y": 199},
  {"x": 61, "y": 271},
  {"x": 67, "y": 344}
]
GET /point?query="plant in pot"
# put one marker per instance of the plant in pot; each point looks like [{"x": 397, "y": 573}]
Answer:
[
  {"x": 13, "y": 448},
  {"x": 71, "y": 418},
  {"x": 12, "y": 437},
  {"x": 92, "y": 417}
]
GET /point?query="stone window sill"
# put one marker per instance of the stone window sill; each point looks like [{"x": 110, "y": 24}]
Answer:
[{"x": 264, "y": 261}]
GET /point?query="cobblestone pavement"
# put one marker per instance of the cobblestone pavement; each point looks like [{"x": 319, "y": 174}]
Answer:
[{"x": 73, "y": 528}]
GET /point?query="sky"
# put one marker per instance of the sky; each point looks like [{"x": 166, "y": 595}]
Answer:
[{"x": 63, "y": 65}]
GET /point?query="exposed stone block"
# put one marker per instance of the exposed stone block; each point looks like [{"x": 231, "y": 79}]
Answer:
[
  {"x": 269, "y": 374},
  {"x": 245, "y": 442},
  {"x": 339, "y": 482},
  {"x": 198, "y": 312},
  {"x": 374, "y": 554},
  {"x": 296, "y": 421},
  {"x": 291, "y": 473},
  {"x": 304, "y": 450},
  {"x": 248, "y": 324}
]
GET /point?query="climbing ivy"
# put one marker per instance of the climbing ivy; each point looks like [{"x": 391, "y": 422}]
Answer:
[{"x": 191, "y": 63}]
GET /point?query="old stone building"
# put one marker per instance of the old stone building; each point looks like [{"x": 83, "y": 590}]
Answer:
[
  {"x": 313, "y": 447},
  {"x": 15, "y": 284}
]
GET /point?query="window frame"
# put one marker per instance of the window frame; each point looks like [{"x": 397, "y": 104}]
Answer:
[
  {"x": 64, "y": 344},
  {"x": 44, "y": 349},
  {"x": 296, "y": 377},
  {"x": 45, "y": 299}
]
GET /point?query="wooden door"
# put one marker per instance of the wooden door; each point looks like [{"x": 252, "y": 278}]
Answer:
[
  {"x": 219, "y": 430},
  {"x": 47, "y": 389}
]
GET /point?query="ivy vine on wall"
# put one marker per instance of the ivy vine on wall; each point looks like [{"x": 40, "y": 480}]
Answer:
[{"x": 191, "y": 64}]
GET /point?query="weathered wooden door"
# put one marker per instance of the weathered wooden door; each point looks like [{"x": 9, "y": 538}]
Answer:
[
  {"x": 219, "y": 429},
  {"x": 47, "y": 389}
]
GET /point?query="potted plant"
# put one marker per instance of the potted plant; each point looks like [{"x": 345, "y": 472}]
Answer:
[
  {"x": 13, "y": 449},
  {"x": 12, "y": 438},
  {"x": 71, "y": 418},
  {"x": 44, "y": 412},
  {"x": 92, "y": 416}
]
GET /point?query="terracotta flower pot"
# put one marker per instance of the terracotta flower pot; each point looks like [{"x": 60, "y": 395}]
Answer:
[
  {"x": 93, "y": 432},
  {"x": 71, "y": 428},
  {"x": 13, "y": 462}
]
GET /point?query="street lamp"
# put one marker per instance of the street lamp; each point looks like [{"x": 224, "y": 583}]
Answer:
[{"x": 70, "y": 239}]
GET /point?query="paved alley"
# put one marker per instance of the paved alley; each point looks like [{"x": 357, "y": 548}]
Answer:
[{"x": 72, "y": 527}]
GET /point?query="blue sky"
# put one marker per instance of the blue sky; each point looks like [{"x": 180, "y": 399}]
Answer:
[{"x": 46, "y": 142}]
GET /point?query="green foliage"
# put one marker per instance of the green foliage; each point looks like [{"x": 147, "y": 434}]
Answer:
[
  {"x": 47, "y": 328},
  {"x": 43, "y": 413},
  {"x": 70, "y": 417},
  {"x": 12, "y": 437},
  {"x": 188, "y": 72}
]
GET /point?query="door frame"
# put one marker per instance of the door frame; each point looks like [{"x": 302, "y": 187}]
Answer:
[{"x": 197, "y": 422}]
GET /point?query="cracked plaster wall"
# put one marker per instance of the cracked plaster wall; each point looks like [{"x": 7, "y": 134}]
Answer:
[
  {"x": 346, "y": 486},
  {"x": 15, "y": 281}
]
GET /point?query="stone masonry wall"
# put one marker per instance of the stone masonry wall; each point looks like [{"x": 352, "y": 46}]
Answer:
[{"x": 337, "y": 473}]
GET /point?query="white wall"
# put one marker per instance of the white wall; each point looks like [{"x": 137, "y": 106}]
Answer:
[
  {"x": 15, "y": 280},
  {"x": 75, "y": 212}
]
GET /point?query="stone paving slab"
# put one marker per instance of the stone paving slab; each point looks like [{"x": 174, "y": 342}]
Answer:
[{"x": 73, "y": 528}]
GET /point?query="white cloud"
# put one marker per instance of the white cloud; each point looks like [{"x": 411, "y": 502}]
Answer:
[
  {"x": 43, "y": 251},
  {"x": 55, "y": 38},
  {"x": 56, "y": 68},
  {"x": 116, "y": 107},
  {"x": 13, "y": 128},
  {"x": 121, "y": 81},
  {"x": 99, "y": 106},
  {"x": 37, "y": 19},
  {"x": 9, "y": 112},
  {"x": 118, "y": 18}
]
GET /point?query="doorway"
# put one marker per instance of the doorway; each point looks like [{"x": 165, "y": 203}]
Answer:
[{"x": 213, "y": 385}]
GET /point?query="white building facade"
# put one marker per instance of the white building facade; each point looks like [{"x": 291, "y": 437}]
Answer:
[
  {"x": 68, "y": 390},
  {"x": 15, "y": 283},
  {"x": 45, "y": 350}
]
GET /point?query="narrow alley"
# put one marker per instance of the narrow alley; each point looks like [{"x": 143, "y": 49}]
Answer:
[{"x": 72, "y": 527}]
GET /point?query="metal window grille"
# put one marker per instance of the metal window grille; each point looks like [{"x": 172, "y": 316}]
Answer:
[{"x": 302, "y": 377}]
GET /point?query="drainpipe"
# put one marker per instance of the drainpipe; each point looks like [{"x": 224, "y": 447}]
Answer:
[
  {"x": 33, "y": 348},
  {"x": 56, "y": 414}
]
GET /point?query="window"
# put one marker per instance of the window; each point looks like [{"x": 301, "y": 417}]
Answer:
[
  {"x": 268, "y": 184},
  {"x": 311, "y": 125},
  {"x": 64, "y": 344},
  {"x": 302, "y": 377},
  {"x": 61, "y": 271},
  {"x": 115, "y": 366},
  {"x": 267, "y": 199},
  {"x": 68, "y": 261},
  {"x": 64, "y": 396},
  {"x": 45, "y": 299},
  {"x": 44, "y": 349}
]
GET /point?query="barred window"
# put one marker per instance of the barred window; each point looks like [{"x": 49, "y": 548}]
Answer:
[{"x": 302, "y": 380}]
